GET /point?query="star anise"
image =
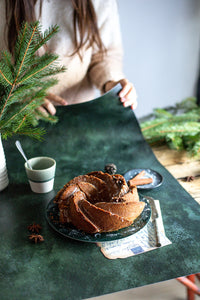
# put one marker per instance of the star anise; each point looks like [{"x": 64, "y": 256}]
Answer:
[
  {"x": 34, "y": 228},
  {"x": 36, "y": 238},
  {"x": 189, "y": 178}
]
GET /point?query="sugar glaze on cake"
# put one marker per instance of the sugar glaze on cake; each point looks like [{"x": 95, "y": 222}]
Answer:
[{"x": 98, "y": 202}]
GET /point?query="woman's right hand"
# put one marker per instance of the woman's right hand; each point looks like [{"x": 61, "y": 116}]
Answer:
[{"x": 48, "y": 107}]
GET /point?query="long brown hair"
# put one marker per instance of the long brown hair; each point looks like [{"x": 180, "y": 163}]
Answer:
[{"x": 84, "y": 22}]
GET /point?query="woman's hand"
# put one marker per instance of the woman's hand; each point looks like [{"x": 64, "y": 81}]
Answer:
[
  {"x": 48, "y": 107},
  {"x": 128, "y": 95}
]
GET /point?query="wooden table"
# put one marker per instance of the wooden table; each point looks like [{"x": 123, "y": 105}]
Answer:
[{"x": 181, "y": 166}]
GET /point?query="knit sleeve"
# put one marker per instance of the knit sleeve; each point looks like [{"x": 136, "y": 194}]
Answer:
[{"x": 110, "y": 67}]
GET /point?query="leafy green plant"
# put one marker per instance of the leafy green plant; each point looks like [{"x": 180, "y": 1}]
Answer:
[
  {"x": 25, "y": 78},
  {"x": 178, "y": 127}
]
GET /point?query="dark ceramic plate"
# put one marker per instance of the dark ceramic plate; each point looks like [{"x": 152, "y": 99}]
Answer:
[
  {"x": 157, "y": 178},
  {"x": 68, "y": 230}
]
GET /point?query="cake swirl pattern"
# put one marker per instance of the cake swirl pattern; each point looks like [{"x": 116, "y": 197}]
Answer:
[{"x": 98, "y": 202}]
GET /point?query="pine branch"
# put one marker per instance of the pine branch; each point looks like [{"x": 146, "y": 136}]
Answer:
[
  {"x": 6, "y": 101},
  {"x": 42, "y": 71},
  {"x": 42, "y": 40},
  {"x": 25, "y": 53},
  {"x": 3, "y": 76},
  {"x": 24, "y": 82},
  {"x": 18, "y": 69},
  {"x": 179, "y": 130},
  {"x": 21, "y": 112},
  {"x": 19, "y": 42},
  {"x": 21, "y": 124}
]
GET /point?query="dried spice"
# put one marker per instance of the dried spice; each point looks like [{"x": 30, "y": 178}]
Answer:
[
  {"x": 36, "y": 238},
  {"x": 34, "y": 228}
]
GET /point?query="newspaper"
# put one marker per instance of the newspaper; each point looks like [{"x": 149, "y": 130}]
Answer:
[{"x": 140, "y": 242}]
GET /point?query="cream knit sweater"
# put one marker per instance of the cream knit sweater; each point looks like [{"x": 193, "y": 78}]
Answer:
[{"x": 78, "y": 83}]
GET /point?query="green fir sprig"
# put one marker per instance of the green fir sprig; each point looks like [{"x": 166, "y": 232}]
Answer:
[
  {"x": 25, "y": 78},
  {"x": 178, "y": 127}
]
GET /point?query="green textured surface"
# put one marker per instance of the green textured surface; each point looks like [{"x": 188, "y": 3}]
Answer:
[{"x": 88, "y": 136}]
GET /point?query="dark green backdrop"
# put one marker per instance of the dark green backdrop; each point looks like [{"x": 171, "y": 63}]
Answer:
[{"x": 87, "y": 137}]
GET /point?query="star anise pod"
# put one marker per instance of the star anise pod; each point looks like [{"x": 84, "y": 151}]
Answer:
[
  {"x": 34, "y": 228},
  {"x": 189, "y": 178},
  {"x": 36, "y": 238}
]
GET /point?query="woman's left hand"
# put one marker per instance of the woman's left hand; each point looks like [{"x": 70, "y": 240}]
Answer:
[{"x": 128, "y": 95}]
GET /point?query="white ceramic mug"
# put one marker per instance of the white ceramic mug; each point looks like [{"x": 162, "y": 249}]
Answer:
[{"x": 41, "y": 176}]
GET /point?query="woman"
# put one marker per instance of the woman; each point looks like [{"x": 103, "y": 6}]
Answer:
[{"x": 88, "y": 44}]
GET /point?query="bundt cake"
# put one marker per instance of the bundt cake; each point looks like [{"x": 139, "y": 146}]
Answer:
[{"x": 98, "y": 202}]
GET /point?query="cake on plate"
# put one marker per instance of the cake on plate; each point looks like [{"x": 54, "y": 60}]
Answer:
[{"x": 98, "y": 202}]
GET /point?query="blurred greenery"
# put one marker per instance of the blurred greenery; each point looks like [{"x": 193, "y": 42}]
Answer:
[{"x": 177, "y": 126}]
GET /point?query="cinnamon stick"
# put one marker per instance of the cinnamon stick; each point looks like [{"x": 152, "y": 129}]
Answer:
[
  {"x": 140, "y": 181},
  {"x": 140, "y": 175}
]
